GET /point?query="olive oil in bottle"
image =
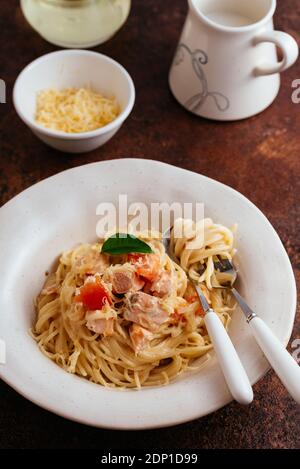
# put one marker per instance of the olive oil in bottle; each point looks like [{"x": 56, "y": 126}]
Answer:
[{"x": 76, "y": 23}]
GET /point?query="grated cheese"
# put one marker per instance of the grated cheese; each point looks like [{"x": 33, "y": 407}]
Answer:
[{"x": 74, "y": 110}]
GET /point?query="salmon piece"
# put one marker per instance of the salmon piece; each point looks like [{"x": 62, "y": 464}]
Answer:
[
  {"x": 140, "y": 337},
  {"x": 125, "y": 281},
  {"x": 101, "y": 326},
  {"x": 146, "y": 265},
  {"x": 145, "y": 310},
  {"x": 161, "y": 286}
]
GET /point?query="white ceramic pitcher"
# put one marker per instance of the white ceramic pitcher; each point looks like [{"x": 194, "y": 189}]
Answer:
[{"x": 226, "y": 65}]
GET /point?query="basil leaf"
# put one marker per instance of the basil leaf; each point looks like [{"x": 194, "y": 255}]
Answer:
[{"x": 123, "y": 243}]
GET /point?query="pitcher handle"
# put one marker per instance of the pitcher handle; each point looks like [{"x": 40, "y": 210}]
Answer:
[{"x": 289, "y": 48}]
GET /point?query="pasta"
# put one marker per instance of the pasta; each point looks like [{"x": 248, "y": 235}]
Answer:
[{"x": 133, "y": 320}]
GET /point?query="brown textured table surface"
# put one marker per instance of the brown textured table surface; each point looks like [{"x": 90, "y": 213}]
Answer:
[{"x": 259, "y": 157}]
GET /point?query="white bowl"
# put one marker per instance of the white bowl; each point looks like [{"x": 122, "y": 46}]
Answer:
[
  {"x": 59, "y": 212},
  {"x": 75, "y": 68}
]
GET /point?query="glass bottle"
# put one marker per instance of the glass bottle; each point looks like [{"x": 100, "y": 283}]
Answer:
[{"x": 76, "y": 23}]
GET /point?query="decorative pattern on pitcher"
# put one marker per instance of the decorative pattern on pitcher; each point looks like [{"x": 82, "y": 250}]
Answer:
[{"x": 198, "y": 59}]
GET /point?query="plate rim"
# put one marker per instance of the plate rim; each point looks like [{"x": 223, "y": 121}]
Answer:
[{"x": 170, "y": 421}]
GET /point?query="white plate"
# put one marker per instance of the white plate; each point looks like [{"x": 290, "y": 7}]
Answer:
[{"x": 59, "y": 212}]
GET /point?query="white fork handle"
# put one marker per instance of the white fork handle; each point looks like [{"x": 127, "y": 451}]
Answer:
[
  {"x": 233, "y": 370},
  {"x": 279, "y": 358}
]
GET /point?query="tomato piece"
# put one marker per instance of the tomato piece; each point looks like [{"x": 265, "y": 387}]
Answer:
[
  {"x": 199, "y": 311},
  {"x": 191, "y": 298},
  {"x": 93, "y": 295}
]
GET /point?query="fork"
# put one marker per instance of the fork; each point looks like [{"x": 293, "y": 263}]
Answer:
[
  {"x": 279, "y": 358},
  {"x": 232, "y": 368}
]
